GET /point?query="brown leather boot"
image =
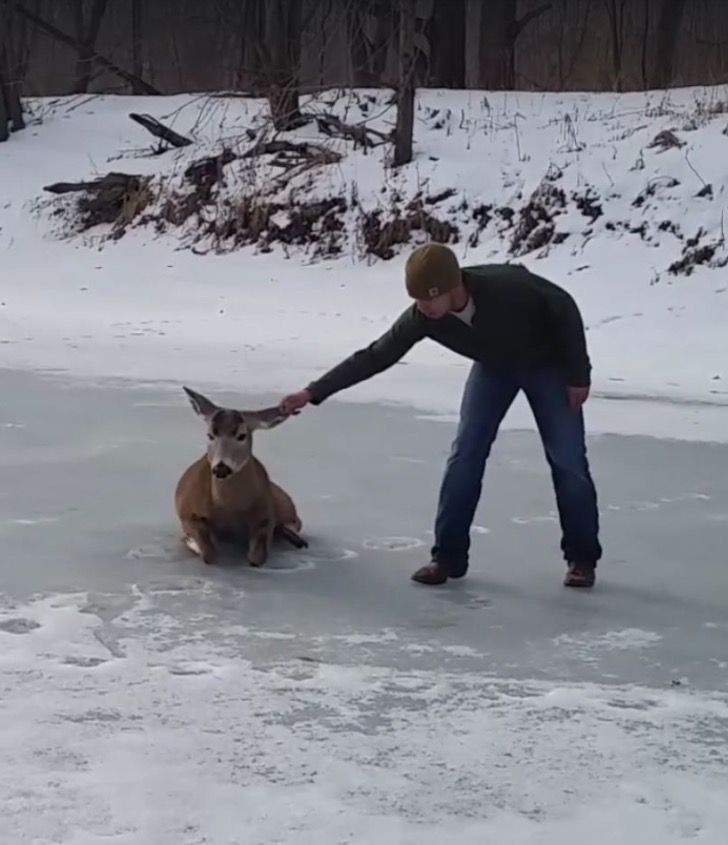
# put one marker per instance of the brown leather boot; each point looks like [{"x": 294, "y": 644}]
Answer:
[
  {"x": 580, "y": 575},
  {"x": 431, "y": 575}
]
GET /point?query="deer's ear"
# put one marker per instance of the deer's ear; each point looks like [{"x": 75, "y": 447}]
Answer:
[
  {"x": 201, "y": 404},
  {"x": 266, "y": 418}
]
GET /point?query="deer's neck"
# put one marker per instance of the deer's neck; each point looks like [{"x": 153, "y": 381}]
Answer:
[{"x": 239, "y": 490}]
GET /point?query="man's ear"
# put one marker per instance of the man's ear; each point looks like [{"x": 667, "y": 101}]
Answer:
[
  {"x": 201, "y": 404},
  {"x": 266, "y": 418}
]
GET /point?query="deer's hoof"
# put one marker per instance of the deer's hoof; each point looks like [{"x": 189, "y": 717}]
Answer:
[{"x": 256, "y": 557}]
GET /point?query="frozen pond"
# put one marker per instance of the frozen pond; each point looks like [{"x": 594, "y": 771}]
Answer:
[{"x": 148, "y": 698}]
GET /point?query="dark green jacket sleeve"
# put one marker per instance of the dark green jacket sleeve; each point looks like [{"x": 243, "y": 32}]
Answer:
[
  {"x": 373, "y": 359},
  {"x": 568, "y": 335}
]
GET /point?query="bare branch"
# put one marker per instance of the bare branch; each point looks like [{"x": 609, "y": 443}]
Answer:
[
  {"x": 61, "y": 36},
  {"x": 360, "y": 134},
  {"x": 523, "y": 22}
]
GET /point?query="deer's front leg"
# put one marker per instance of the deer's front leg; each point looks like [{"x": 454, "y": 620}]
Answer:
[
  {"x": 198, "y": 538},
  {"x": 261, "y": 539}
]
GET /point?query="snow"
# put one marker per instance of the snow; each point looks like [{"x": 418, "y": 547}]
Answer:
[
  {"x": 156, "y": 735},
  {"x": 145, "y": 698},
  {"x": 140, "y": 308}
]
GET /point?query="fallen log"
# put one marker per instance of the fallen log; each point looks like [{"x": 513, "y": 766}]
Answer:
[
  {"x": 115, "y": 198},
  {"x": 290, "y": 149},
  {"x": 159, "y": 130},
  {"x": 206, "y": 171},
  {"x": 362, "y": 135},
  {"x": 111, "y": 181}
]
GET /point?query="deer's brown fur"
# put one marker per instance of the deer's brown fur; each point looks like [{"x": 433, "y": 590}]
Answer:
[{"x": 227, "y": 495}]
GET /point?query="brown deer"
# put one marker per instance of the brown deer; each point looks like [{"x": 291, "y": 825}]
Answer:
[{"x": 227, "y": 495}]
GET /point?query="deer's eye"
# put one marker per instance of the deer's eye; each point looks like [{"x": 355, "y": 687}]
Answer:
[
  {"x": 241, "y": 436},
  {"x": 210, "y": 436}
]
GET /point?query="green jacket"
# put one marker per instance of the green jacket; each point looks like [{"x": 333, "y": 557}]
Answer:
[{"x": 521, "y": 321}]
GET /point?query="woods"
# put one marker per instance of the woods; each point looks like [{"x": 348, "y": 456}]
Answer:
[
  {"x": 283, "y": 48},
  {"x": 11, "y": 46}
]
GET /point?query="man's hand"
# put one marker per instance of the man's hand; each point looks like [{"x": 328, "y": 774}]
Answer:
[
  {"x": 294, "y": 402},
  {"x": 578, "y": 396}
]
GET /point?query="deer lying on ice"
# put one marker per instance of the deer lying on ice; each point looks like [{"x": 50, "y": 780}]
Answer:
[{"x": 227, "y": 494}]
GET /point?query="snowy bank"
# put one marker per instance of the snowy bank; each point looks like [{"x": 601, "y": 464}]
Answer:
[{"x": 628, "y": 225}]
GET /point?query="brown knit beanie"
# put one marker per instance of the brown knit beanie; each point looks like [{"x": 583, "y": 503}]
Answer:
[{"x": 431, "y": 271}]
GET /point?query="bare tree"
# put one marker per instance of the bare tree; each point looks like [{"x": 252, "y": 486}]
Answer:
[
  {"x": 137, "y": 43},
  {"x": 87, "y": 32},
  {"x": 668, "y": 27},
  {"x": 283, "y": 46},
  {"x": 11, "y": 109},
  {"x": 615, "y": 13},
  {"x": 246, "y": 18},
  {"x": 54, "y": 32},
  {"x": 500, "y": 29},
  {"x": 645, "y": 42},
  {"x": 444, "y": 35},
  {"x": 280, "y": 53},
  {"x": 404, "y": 131},
  {"x": 371, "y": 25},
  {"x": 572, "y": 25}
]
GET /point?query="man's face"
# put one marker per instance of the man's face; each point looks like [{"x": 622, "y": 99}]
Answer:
[{"x": 435, "y": 308}]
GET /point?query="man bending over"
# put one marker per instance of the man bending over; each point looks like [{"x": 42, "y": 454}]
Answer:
[{"x": 522, "y": 332}]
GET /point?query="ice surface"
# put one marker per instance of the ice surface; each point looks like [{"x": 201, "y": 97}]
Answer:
[{"x": 145, "y": 697}]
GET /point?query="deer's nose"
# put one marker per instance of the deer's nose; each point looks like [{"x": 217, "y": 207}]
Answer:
[{"x": 221, "y": 470}]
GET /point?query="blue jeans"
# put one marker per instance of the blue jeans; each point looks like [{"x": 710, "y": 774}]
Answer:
[{"x": 487, "y": 397}]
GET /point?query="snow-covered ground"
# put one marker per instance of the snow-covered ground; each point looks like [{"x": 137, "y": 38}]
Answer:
[
  {"x": 145, "y": 698},
  {"x": 141, "y": 308}
]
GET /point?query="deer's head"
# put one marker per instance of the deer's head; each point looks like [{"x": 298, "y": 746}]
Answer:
[{"x": 230, "y": 432}]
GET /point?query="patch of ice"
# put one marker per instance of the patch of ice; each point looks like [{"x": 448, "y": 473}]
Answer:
[
  {"x": 135, "y": 751},
  {"x": 627, "y": 639},
  {"x": 199, "y": 745},
  {"x": 393, "y": 544}
]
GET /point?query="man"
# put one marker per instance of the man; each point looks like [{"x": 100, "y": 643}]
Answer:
[{"x": 523, "y": 333}]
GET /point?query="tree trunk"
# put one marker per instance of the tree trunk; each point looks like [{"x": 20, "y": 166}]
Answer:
[
  {"x": 84, "y": 62},
  {"x": 4, "y": 116},
  {"x": 281, "y": 53},
  {"x": 499, "y": 31},
  {"x": 572, "y": 27},
  {"x": 645, "y": 43},
  {"x": 4, "y": 111},
  {"x": 251, "y": 24},
  {"x": 404, "y": 131},
  {"x": 369, "y": 54},
  {"x": 86, "y": 36},
  {"x": 615, "y": 12},
  {"x": 137, "y": 42},
  {"x": 357, "y": 45},
  {"x": 497, "y": 62},
  {"x": 11, "y": 109},
  {"x": 668, "y": 27},
  {"x": 445, "y": 32},
  {"x": 14, "y": 107},
  {"x": 616, "y": 44}
]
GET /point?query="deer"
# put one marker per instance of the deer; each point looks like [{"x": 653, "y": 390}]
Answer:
[{"x": 227, "y": 495}]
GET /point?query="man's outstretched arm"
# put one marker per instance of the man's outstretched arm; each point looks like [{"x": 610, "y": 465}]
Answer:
[{"x": 363, "y": 364}]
